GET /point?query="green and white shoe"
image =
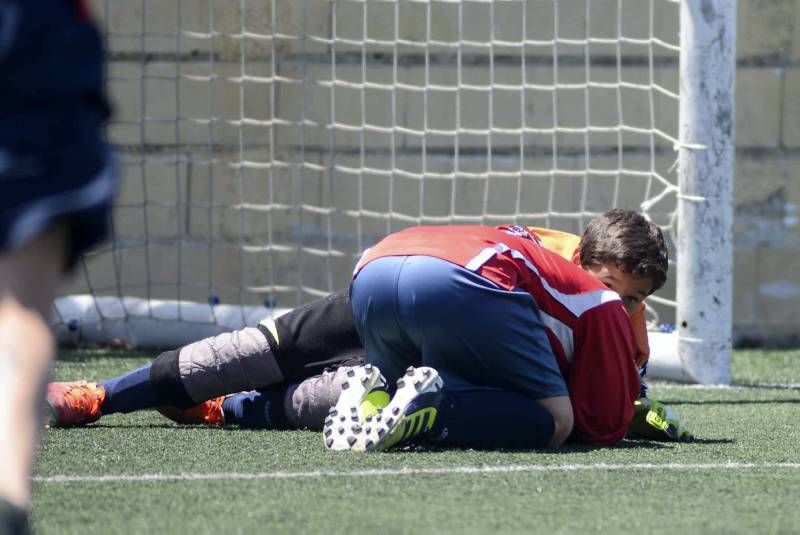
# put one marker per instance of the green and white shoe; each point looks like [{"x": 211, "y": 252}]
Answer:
[
  {"x": 363, "y": 394},
  {"x": 655, "y": 421},
  {"x": 411, "y": 412}
]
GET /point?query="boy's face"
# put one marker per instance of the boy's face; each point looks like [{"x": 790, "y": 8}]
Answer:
[{"x": 631, "y": 289}]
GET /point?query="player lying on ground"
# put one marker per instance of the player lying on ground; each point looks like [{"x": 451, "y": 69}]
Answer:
[
  {"x": 56, "y": 186},
  {"x": 298, "y": 345}
]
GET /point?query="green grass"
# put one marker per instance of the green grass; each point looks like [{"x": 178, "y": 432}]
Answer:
[{"x": 741, "y": 477}]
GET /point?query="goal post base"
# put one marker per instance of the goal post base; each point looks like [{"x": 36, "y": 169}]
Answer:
[{"x": 132, "y": 322}]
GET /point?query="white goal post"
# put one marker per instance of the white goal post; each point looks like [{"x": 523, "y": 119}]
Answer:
[{"x": 265, "y": 144}]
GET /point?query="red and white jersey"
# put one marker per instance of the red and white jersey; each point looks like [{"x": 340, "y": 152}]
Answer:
[
  {"x": 588, "y": 328},
  {"x": 567, "y": 246}
]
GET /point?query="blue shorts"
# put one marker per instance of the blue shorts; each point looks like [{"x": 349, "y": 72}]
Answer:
[
  {"x": 412, "y": 310},
  {"x": 54, "y": 162}
]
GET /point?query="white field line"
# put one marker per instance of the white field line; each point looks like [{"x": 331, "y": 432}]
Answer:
[{"x": 391, "y": 472}]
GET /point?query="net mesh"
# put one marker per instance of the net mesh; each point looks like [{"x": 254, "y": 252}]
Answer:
[{"x": 264, "y": 145}]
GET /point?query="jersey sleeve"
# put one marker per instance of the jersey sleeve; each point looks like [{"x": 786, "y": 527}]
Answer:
[
  {"x": 602, "y": 378},
  {"x": 562, "y": 243}
]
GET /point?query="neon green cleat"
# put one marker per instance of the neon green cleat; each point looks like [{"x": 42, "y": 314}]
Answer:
[
  {"x": 655, "y": 421},
  {"x": 411, "y": 413},
  {"x": 373, "y": 402}
]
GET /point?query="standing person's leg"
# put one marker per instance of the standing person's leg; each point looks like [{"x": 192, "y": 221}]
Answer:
[
  {"x": 28, "y": 279},
  {"x": 56, "y": 185}
]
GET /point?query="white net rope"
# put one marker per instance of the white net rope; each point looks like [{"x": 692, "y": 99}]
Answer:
[{"x": 264, "y": 145}]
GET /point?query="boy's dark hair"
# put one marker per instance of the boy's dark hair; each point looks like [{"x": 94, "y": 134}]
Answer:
[{"x": 629, "y": 240}]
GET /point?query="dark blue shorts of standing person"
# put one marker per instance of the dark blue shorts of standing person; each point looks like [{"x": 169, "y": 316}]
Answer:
[
  {"x": 412, "y": 310},
  {"x": 54, "y": 163}
]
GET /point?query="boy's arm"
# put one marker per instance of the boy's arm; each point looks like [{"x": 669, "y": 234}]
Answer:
[
  {"x": 602, "y": 379},
  {"x": 639, "y": 323}
]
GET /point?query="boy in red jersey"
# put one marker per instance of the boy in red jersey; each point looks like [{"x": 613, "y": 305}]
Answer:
[{"x": 505, "y": 322}]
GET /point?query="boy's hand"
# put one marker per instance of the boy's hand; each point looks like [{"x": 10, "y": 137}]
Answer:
[{"x": 655, "y": 421}]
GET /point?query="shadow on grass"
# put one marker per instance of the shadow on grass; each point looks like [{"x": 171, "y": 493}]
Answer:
[
  {"x": 87, "y": 355},
  {"x": 642, "y": 444},
  {"x": 181, "y": 427},
  {"x": 566, "y": 449},
  {"x": 105, "y": 426},
  {"x": 728, "y": 401},
  {"x": 766, "y": 386},
  {"x": 626, "y": 444},
  {"x": 698, "y": 440}
]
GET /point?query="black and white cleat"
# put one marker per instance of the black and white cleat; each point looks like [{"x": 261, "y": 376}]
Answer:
[{"x": 411, "y": 412}]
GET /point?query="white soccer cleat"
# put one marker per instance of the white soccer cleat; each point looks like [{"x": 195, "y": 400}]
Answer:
[{"x": 343, "y": 426}]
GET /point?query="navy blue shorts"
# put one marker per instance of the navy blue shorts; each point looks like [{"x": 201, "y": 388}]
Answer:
[
  {"x": 54, "y": 162},
  {"x": 412, "y": 310}
]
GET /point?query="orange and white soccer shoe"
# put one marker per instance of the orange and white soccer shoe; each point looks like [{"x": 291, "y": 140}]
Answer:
[
  {"x": 207, "y": 413},
  {"x": 74, "y": 403}
]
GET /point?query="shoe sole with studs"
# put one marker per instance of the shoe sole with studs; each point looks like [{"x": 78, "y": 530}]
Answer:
[{"x": 343, "y": 425}]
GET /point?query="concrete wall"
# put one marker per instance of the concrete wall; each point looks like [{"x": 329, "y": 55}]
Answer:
[
  {"x": 191, "y": 222},
  {"x": 767, "y": 191}
]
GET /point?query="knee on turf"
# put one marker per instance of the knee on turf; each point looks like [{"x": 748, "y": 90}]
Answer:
[{"x": 560, "y": 408}]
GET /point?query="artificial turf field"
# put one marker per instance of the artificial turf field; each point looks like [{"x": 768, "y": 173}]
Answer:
[{"x": 140, "y": 473}]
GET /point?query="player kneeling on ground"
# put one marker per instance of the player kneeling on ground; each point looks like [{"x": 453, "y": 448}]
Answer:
[{"x": 505, "y": 323}]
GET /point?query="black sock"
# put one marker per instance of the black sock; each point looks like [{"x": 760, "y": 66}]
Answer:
[{"x": 491, "y": 419}]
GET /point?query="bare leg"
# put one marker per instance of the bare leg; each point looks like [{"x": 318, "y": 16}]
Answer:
[{"x": 28, "y": 281}]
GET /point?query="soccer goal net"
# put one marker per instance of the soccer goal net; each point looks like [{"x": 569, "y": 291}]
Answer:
[{"x": 264, "y": 145}]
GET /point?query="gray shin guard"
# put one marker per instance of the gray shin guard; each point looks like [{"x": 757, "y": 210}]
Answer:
[
  {"x": 228, "y": 363},
  {"x": 307, "y": 405},
  {"x": 224, "y": 364}
]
